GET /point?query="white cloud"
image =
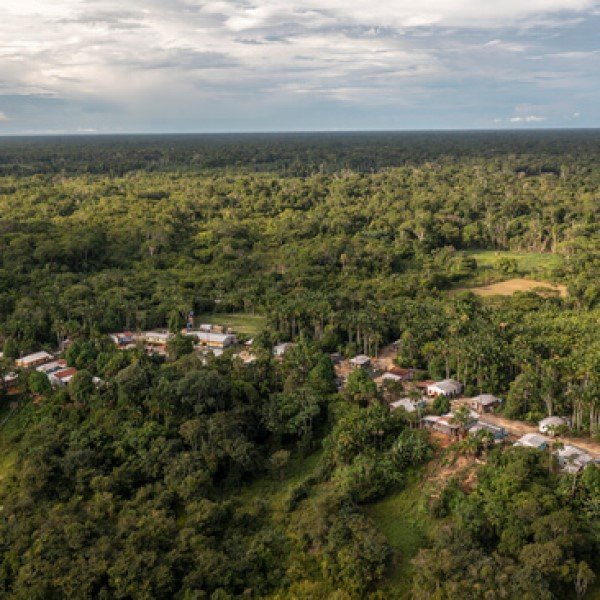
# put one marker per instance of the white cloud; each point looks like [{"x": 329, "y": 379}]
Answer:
[
  {"x": 527, "y": 119},
  {"x": 178, "y": 56},
  {"x": 3, "y": 117}
]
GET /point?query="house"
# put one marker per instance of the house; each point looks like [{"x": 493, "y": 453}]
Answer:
[
  {"x": 441, "y": 424},
  {"x": 402, "y": 373},
  {"x": 549, "y": 425},
  {"x": 280, "y": 349},
  {"x": 572, "y": 459},
  {"x": 498, "y": 433},
  {"x": 447, "y": 387},
  {"x": 10, "y": 382},
  {"x": 246, "y": 357},
  {"x": 532, "y": 440},
  {"x": 52, "y": 367},
  {"x": 123, "y": 339},
  {"x": 210, "y": 339},
  {"x": 391, "y": 377},
  {"x": 360, "y": 362},
  {"x": 62, "y": 378},
  {"x": 484, "y": 403},
  {"x": 33, "y": 360},
  {"x": 155, "y": 338},
  {"x": 408, "y": 404}
]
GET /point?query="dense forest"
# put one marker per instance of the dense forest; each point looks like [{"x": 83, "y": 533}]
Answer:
[{"x": 152, "y": 484}]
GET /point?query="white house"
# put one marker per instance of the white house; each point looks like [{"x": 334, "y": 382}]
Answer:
[
  {"x": 484, "y": 403},
  {"x": 361, "y": 361},
  {"x": 52, "y": 367},
  {"x": 155, "y": 338},
  {"x": 126, "y": 338},
  {"x": 391, "y": 377},
  {"x": 210, "y": 339},
  {"x": 408, "y": 404},
  {"x": 572, "y": 459},
  {"x": 33, "y": 360},
  {"x": 550, "y": 424},
  {"x": 446, "y": 387},
  {"x": 532, "y": 440},
  {"x": 280, "y": 349},
  {"x": 499, "y": 433},
  {"x": 62, "y": 377}
]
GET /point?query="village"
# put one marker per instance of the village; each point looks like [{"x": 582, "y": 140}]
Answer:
[
  {"x": 400, "y": 388},
  {"x": 476, "y": 416}
]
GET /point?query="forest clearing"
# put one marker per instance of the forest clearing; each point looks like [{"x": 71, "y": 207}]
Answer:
[{"x": 511, "y": 286}]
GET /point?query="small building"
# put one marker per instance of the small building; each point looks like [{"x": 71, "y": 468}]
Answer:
[
  {"x": 10, "y": 382},
  {"x": 499, "y": 433},
  {"x": 402, "y": 373},
  {"x": 62, "y": 378},
  {"x": 572, "y": 459},
  {"x": 280, "y": 349},
  {"x": 409, "y": 404},
  {"x": 30, "y": 361},
  {"x": 52, "y": 367},
  {"x": 441, "y": 424},
  {"x": 362, "y": 361},
  {"x": 484, "y": 403},
  {"x": 210, "y": 339},
  {"x": 155, "y": 338},
  {"x": 246, "y": 357},
  {"x": 447, "y": 387},
  {"x": 532, "y": 440},
  {"x": 549, "y": 425},
  {"x": 123, "y": 339},
  {"x": 390, "y": 377}
]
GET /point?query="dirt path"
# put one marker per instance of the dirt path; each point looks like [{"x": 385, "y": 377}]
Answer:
[{"x": 518, "y": 429}]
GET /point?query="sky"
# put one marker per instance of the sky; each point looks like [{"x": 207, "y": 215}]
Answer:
[{"x": 162, "y": 66}]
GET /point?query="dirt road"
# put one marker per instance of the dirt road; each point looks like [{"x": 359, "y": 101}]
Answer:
[{"x": 518, "y": 428}]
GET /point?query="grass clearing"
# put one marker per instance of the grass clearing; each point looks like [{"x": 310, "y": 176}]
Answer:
[
  {"x": 405, "y": 521},
  {"x": 527, "y": 262},
  {"x": 239, "y": 322},
  {"x": 276, "y": 491}
]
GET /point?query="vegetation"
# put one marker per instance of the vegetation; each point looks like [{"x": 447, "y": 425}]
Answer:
[{"x": 184, "y": 477}]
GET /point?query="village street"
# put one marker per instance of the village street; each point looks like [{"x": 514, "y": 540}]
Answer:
[{"x": 519, "y": 428}]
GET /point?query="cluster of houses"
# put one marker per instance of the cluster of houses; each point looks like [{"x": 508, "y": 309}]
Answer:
[
  {"x": 207, "y": 337},
  {"x": 570, "y": 458},
  {"x": 56, "y": 369}
]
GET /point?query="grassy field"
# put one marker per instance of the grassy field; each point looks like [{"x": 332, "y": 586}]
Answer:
[
  {"x": 239, "y": 322},
  {"x": 403, "y": 518},
  {"x": 276, "y": 491},
  {"x": 527, "y": 262}
]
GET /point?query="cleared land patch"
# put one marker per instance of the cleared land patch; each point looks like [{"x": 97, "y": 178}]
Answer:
[
  {"x": 510, "y": 286},
  {"x": 239, "y": 322}
]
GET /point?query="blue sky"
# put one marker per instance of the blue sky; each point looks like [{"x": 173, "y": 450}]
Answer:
[{"x": 75, "y": 66}]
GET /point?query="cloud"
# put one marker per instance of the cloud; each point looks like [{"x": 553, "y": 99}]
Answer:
[
  {"x": 527, "y": 119},
  {"x": 3, "y": 117},
  {"x": 160, "y": 61}
]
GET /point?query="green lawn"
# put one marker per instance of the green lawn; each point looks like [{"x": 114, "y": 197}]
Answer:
[
  {"x": 527, "y": 262},
  {"x": 239, "y": 322},
  {"x": 403, "y": 518}
]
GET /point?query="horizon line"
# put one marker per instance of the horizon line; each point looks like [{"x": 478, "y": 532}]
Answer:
[{"x": 84, "y": 134}]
